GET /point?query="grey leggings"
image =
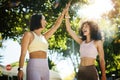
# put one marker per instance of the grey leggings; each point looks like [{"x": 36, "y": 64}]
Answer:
[
  {"x": 37, "y": 69},
  {"x": 87, "y": 73}
]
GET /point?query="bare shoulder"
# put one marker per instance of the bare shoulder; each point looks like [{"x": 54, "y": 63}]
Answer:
[
  {"x": 98, "y": 43},
  {"x": 28, "y": 33}
]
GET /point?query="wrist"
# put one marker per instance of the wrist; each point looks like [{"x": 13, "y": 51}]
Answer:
[
  {"x": 20, "y": 69},
  {"x": 67, "y": 17},
  {"x": 62, "y": 14}
]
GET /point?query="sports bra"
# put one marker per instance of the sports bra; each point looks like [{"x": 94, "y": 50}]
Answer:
[
  {"x": 39, "y": 43},
  {"x": 88, "y": 50}
]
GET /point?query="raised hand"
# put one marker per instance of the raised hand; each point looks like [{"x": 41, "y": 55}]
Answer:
[{"x": 66, "y": 8}]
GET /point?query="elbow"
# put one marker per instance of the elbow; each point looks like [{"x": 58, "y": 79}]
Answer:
[{"x": 102, "y": 61}]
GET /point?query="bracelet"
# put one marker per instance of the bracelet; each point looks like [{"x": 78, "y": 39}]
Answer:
[
  {"x": 67, "y": 17},
  {"x": 20, "y": 69}
]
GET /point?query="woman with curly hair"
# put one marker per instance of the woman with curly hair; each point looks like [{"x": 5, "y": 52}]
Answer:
[{"x": 91, "y": 46}]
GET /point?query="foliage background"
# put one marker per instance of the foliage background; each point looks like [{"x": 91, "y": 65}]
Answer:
[{"x": 14, "y": 21}]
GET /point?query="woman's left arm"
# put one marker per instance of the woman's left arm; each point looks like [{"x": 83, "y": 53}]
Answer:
[
  {"x": 51, "y": 31},
  {"x": 101, "y": 59}
]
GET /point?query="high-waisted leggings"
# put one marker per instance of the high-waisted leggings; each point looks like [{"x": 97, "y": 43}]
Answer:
[
  {"x": 37, "y": 69},
  {"x": 87, "y": 73}
]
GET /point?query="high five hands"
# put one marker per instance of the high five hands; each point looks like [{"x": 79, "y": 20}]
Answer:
[{"x": 65, "y": 10}]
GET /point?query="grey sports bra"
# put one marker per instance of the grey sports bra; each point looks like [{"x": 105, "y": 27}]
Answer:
[{"x": 88, "y": 50}]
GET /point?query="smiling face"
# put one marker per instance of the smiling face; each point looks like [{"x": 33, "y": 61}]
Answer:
[
  {"x": 86, "y": 29},
  {"x": 90, "y": 29}
]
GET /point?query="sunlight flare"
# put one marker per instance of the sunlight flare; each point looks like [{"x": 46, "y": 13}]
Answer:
[{"x": 95, "y": 9}]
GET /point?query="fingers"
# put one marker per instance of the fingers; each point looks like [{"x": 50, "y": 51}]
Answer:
[
  {"x": 65, "y": 10},
  {"x": 69, "y": 3},
  {"x": 20, "y": 76}
]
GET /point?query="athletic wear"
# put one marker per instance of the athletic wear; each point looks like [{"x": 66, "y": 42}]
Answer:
[
  {"x": 37, "y": 69},
  {"x": 39, "y": 43},
  {"x": 87, "y": 73},
  {"x": 88, "y": 50}
]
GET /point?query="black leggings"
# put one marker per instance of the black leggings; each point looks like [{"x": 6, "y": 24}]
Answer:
[{"x": 87, "y": 73}]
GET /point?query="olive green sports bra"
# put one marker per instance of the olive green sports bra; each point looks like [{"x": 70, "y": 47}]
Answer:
[{"x": 39, "y": 43}]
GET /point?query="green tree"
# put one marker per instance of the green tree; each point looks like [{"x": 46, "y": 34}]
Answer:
[{"x": 15, "y": 15}]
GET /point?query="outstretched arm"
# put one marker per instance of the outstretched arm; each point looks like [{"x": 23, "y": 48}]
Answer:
[
  {"x": 70, "y": 31},
  {"x": 50, "y": 32}
]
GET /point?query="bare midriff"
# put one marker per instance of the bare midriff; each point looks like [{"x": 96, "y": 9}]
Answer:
[
  {"x": 38, "y": 54},
  {"x": 87, "y": 61}
]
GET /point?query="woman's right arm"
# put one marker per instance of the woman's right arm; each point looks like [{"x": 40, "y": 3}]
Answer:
[
  {"x": 24, "y": 45},
  {"x": 51, "y": 31},
  {"x": 70, "y": 31}
]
